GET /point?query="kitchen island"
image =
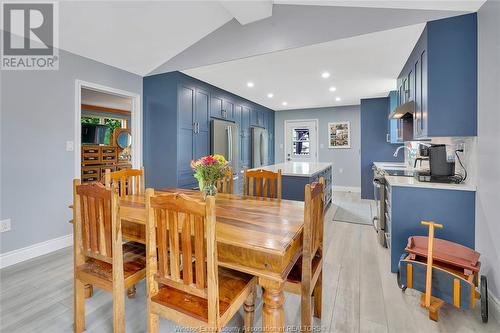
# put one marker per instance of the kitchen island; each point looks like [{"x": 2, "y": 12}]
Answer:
[{"x": 295, "y": 175}]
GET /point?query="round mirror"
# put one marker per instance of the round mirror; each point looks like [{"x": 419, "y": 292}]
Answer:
[{"x": 124, "y": 140}]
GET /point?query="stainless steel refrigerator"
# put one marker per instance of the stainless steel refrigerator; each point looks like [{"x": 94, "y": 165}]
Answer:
[
  {"x": 225, "y": 140},
  {"x": 260, "y": 156}
]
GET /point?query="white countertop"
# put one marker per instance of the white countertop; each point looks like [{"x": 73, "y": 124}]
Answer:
[
  {"x": 412, "y": 182},
  {"x": 299, "y": 169}
]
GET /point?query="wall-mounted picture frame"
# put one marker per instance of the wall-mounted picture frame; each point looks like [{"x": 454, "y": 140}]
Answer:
[{"x": 339, "y": 135}]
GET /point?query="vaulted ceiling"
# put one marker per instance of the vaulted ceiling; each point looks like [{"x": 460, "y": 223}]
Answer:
[
  {"x": 214, "y": 40},
  {"x": 156, "y": 36}
]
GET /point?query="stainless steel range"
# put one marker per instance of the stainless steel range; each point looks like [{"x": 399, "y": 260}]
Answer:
[{"x": 379, "y": 195}]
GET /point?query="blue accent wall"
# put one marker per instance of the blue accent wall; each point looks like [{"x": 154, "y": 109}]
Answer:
[{"x": 374, "y": 145}]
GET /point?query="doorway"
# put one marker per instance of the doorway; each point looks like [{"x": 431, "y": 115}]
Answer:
[
  {"x": 301, "y": 140},
  {"x": 108, "y": 124}
]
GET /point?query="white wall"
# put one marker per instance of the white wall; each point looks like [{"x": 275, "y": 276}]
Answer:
[
  {"x": 37, "y": 118},
  {"x": 488, "y": 171},
  {"x": 346, "y": 162}
]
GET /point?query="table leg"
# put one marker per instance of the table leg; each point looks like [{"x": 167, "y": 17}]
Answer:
[{"x": 273, "y": 313}]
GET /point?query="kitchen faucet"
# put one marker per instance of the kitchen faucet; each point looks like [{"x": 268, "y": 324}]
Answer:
[{"x": 397, "y": 150}]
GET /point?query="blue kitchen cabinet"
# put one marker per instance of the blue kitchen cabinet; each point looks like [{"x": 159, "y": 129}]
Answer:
[
  {"x": 407, "y": 206},
  {"x": 202, "y": 119},
  {"x": 228, "y": 110},
  {"x": 257, "y": 117},
  {"x": 216, "y": 107},
  {"x": 177, "y": 114},
  {"x": 440, "y": 76},
  {"x": 393, "y": 125},
  {"x": 294, "y": 185}
]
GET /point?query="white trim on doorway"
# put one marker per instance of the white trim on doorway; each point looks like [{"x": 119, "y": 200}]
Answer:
[
  {"x": 287, "y": 121},
  {"x": 136, "y": 118}
]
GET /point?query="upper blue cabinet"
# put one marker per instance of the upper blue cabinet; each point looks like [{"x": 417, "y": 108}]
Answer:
[{"x": 440, "y": 77}]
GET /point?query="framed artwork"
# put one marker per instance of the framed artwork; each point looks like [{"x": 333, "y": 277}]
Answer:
[{"x": 339, "y": 135}]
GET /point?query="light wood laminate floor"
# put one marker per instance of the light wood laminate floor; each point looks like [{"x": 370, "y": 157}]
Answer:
[{"x": 359, "y": 293}]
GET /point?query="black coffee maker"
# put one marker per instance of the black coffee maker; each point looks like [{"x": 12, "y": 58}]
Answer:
[
  {"x": 438, "y": 162},
  {"x": 441, "y": 170}
]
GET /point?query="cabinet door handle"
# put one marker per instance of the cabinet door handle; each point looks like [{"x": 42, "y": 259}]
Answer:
[{"x": 197, "y": 127}]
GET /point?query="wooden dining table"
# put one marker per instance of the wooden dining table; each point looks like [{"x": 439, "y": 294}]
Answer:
[{"x": 259, "y": 236}]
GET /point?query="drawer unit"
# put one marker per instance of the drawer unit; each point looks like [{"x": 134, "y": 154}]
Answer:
[
  {"x": 91, "y": 171},
  {"x": 108, "y": 154},
  {"x": 95, "y": 161},
  {"x": 91, "y": 155},
  {"x": 91, "y": 174}
]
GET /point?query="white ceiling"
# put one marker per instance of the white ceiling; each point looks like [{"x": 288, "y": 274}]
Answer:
[
  {"x": 139, "y": 36},
  {"x": 136, "y": 36},
  {"x": 97, "y": 98},
  {"x": 360, "y": 67},
  {"x": 455, "y": 5}
]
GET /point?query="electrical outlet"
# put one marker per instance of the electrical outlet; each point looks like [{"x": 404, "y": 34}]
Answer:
[
  {"x": 5, "y": 225},
  {"x": 70, "y": 146},
  {"x": 341, "y": 170},
  {"x": 460, "y": 146}
]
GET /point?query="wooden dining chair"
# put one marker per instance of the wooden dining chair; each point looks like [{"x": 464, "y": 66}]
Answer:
[
  {"x": 225, "y": 185},
  {"x": 100, "y": 257},
  {"x": 262, "y": 183},
  {"x": 128, "y": 181},
  {"x": 184, "y": 283},
  {"x": 305, "y": 278}
]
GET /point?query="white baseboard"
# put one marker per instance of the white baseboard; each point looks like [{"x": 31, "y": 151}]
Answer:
[
  {"x": 35, "y": 250},
  {"x": 493, "y": 308},
  {"x": 354, "y": 189}
]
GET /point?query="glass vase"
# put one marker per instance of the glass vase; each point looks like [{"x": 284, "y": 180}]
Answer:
[{"x": 209, "y": 189}]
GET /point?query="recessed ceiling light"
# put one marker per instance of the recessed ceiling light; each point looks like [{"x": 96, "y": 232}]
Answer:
[
  {"x": 250, "y": 84},
  {"x": 337, "y": 99},
  {"x": 284, "y": 103},
  {"x": 332, "y": 89},
  {"x": 270, "y": 95},
  {"x": 325, "y": 75}
]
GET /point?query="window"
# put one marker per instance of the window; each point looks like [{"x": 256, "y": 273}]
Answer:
[{"x": 300, "y": 142}]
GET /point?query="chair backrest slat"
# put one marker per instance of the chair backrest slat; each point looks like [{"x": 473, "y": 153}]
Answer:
[
  {"x": 225, "y": 185},
  {"x": 262, "y": 183},
  {"x": 183, "y": 238},
  {"x": 128, "y": 181},
  {"x": 94, "y": 217},
  {"x": 313, "y": 218}
]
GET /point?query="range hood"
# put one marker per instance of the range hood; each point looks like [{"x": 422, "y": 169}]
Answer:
[{"x": 403, "y": 111}]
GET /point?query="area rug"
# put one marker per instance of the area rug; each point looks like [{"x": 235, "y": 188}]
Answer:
[{"x": 359, "y": 213}]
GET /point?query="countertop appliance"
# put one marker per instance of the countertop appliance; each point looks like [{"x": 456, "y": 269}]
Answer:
[
  {"x": 225, "y": 140},
  {"x": 441, "y": 171},
  {"x": 438, "y": 162},
  {"x": 259, "y": 147}
]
